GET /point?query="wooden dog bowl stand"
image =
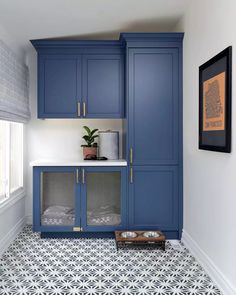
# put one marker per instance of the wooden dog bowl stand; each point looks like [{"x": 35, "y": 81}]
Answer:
[{"x": 140, "y": 240}]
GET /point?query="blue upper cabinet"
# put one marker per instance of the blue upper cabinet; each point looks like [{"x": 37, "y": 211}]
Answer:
[
  {"x": 103, "y": 90},
  {"x": 153, "y": 105},
  {"x": 80, "y": 79},
  {"x": 59, "y": 88}
]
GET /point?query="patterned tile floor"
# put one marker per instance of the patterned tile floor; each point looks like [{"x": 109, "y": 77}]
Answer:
[{"x": 33, "y": 265}]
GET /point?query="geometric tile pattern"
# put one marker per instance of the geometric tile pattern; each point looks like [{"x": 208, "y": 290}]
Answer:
[{"x": 33, "y": 265}]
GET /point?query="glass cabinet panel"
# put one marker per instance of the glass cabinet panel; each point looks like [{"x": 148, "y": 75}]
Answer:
[
  {"x": 57, "y": 198},
  {"x": 103, "y": 198}
]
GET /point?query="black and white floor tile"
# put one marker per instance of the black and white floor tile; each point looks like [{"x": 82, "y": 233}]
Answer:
[{"x": 38, "y": 266}]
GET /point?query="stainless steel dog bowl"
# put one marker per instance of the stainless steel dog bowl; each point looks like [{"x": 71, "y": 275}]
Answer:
[
  {"x": 151, "y": 234},
  {"x": 128, "y": 234}
]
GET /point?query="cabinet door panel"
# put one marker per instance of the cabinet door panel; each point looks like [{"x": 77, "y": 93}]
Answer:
[
  {"x": 103, "y": 198},
  {"x": 103, "y": 86},
  {"x": 153, "y": 106},
  {"x": 153, "y": 200},
  {"x": 59, "y": 86},
  {"x": 56, "y": 199}
]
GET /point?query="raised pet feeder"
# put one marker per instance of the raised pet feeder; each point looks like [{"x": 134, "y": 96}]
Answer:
[{"x": 140, "y": 238}]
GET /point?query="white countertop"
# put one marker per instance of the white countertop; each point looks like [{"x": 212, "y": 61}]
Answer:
[{"x": 78, "y": 163}]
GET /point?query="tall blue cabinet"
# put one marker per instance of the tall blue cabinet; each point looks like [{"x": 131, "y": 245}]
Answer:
[
  {"x": 154, "y": 131},
  {"x": 138, "y": 79}
]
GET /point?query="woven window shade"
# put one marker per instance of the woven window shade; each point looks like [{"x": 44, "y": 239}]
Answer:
[{"x": 14, "y": 88}]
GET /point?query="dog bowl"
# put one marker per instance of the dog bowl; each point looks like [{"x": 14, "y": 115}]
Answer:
[
  {"x": 128, "y": 234},
  {"x": 151, "y": 234}
]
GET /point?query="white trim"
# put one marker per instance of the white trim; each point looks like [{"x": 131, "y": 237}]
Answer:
[
  {"x": 11, "y": 235},
  {"x": 8, "y": 202},
  {"x": 29, "y": 219},
  {"x": 213, "y": 271}
]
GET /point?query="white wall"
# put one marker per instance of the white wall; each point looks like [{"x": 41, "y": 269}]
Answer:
[
  {"x": 12, "y": 212},
  {"x": 209, "y": 177},
  {"x": 55, "y": 138}
]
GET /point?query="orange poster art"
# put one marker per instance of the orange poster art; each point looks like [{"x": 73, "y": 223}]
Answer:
[{"x": 214, "y": 103}]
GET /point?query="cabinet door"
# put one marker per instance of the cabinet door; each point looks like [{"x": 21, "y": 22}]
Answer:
[
  {"x": 153, "y": 202},
  {"x": 59, "y": 89},
  {"x": 103, "y": 90},
  {"x": 103, "y": 198},
  {"x": 153, "y": 95},
  {"x": 56, "y": 199}
]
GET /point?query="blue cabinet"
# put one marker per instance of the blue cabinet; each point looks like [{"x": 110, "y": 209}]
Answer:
[
  {"x": 103, "y": 202},
  {"x": 56, "y": 202},
  {"x": 153, "y": 104},
  {"x": 79, "y": 199},
  {"x": 80, "y": 80},
  {"x": 103, "y": 89},
  {"x": 153, "y": 199},
  {"x": 154, "y": 131},
  {"x": 86, "y": 79},
  {"x": 59, "y": 86}
]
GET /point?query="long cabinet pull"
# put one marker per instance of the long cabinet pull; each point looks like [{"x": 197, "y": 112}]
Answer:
[
  {"x": 83, "y": 176},
  {"x": 78, "y": 109},
  {"x": 84, "y": 109},
  {"x": 131, "y": 156},
  {"x": 131, "y": 175},
  {"x": 77, "y": 175}
]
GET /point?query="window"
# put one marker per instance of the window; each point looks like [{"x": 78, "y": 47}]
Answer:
[{"x": 11, "y": 158}]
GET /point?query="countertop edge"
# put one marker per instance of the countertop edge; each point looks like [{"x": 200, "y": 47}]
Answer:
[{"x": 81, "y": 163}]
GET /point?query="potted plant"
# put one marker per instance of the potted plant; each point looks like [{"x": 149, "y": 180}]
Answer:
[{"x": 90, "y": 148}]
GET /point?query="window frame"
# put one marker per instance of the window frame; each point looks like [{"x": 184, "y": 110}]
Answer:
[{"x": 11, "y": 197}]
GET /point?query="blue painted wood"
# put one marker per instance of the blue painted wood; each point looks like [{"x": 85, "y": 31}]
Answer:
[
  {"x": 123, "y": 174},
  {"x": 180, "y": 131},
  {"x": 153, "y": 105},
  {"x": 92, "y": 235},
  {"x": 153, "y": 198},
  {"x": 103, "y": 87},
  {"x": 59, "y": 88},
  {"x": 77, "y": 235},
  {"x": 37, "y": 185}
]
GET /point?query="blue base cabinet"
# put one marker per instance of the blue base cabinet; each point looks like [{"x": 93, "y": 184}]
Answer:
[
  {"x": 153, "y": 198},
  {"x": 79, "y": 199}
]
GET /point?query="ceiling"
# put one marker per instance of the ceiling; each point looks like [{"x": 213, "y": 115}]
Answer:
[{"x": 87, "y": 19}]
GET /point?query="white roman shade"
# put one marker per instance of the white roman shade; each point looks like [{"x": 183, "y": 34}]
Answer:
[{"x": 14, "y": 93}]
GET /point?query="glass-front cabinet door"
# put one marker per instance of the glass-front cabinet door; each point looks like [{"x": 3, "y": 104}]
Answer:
[
  {"x": 103, "y": 206},
  {"x": 58, "y": 207}
]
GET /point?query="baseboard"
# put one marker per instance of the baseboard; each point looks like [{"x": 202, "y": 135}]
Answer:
[
  {"x": 213, "y": 271},
  {"x": 29, "y": 220},
  {"x": 11, "y": 235}
]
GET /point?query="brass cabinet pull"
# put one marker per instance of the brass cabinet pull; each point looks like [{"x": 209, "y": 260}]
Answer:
[
  {"x": 83, "y": 176},
  {"x": 78, "y": 109},
  {"x": 77, "y": 228},
  {"x": 77, "y": 175},
  {"x": 84, "y": 109},
  {"x": 131, "y": 156},
  {"x": 131, "y": 175}
]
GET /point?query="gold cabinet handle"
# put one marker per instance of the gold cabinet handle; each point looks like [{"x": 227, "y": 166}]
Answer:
[
  {"x": 131, "y": 175},
  {"x": 83, "y": 176},
  {"x": 131, "y": 156},
  {"x": 84, "y": 109},
  {"x": 77, "y": 175},
  {"x": 78, "y": 109}
]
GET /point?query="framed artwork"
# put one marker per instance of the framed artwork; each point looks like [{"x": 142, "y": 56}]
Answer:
[{"x": 215, "y": 103}]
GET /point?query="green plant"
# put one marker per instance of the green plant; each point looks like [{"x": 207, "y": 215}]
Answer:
[{"x": 90, "y": 137}]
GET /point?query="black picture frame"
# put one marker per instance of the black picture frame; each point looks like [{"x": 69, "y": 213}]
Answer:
[{"x": 215, "y": 83}]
